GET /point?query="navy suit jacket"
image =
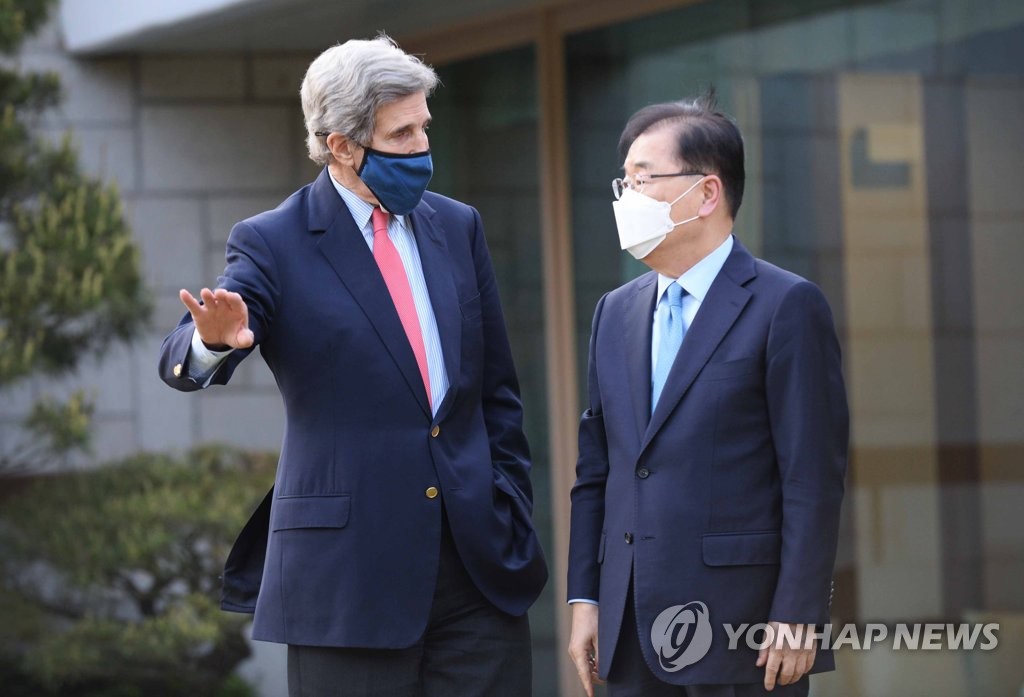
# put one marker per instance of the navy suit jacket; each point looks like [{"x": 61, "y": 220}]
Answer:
[
  {"x": 344, "y": 550},
  {"x": 729, "y": 494}
]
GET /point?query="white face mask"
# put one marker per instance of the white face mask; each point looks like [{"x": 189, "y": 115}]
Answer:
[{"x": 644, "y": 222}]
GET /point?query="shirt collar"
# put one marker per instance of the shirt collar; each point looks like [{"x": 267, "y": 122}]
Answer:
[
  {"x": 698, "y": 279},
  {"x": 360, "y": 209}
]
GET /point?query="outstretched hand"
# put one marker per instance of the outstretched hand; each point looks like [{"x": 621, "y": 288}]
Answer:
[{"x": 222, "y": 320}]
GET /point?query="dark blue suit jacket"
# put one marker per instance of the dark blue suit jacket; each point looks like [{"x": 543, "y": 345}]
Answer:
[
  {"x": 730, "y": 492},
  {"x": 344, "y": 550}
]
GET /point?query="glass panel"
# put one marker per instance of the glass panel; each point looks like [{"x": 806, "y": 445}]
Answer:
[
  {"x": 884, "y": 147},
  {"x": 484, "y": 142}
]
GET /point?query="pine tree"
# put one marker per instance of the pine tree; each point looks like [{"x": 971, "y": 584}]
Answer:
[
  {"x": 110, "y": 576},
  {"x": 69, "y": 273}
]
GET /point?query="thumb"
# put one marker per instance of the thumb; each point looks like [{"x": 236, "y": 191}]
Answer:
[{"x": 244, "y": 338}]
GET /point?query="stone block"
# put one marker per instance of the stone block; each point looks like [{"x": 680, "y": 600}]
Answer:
[
  {"x": 216, "y": 148},
  {"x": 225, "y": 211},
  {"x": 166, "y": 417},
  {"x": 113, "y": 438},
  {"x": 252, "y": 419},
  {"x": 169, "y": 232},
  {"x": 194, "y": 76},
  {"x": 95, "y": 91},
  {"x": 105, "y": 153},
  {"x": 167, "y": 310},
  {"x": 279, "y": 76},
  {"x": 107, "y": 379}
]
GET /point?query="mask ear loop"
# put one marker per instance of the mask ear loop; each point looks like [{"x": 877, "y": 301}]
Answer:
[
  {"x": 359, "y": 173},
  {"x": 688, "y": 220},
  {"x": 366, "y": 157},
  {"x": 695, "y": 184},
  {"x": 684, "y": 222}
]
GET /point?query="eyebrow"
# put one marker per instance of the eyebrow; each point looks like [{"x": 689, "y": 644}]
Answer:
[
  {"x": 405, "y": 127},
  {"x": 643, "y": 164}
]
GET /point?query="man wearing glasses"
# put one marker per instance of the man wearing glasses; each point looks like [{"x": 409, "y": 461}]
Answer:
[{"x": 712, "y": 454}]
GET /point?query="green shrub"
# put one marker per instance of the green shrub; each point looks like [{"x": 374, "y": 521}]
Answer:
[{"x": 111, "y": 576}]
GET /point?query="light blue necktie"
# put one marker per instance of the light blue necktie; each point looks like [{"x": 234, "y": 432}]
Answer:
[{"x": 670, "y": 324}]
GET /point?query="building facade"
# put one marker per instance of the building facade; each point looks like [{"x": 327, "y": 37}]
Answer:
[{"x": 884, "y": 145}]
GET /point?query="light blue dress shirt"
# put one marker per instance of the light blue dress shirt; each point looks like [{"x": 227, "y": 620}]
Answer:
[
  {"x": 696, "y": 282},
  {"x": 203, "y": 362}
]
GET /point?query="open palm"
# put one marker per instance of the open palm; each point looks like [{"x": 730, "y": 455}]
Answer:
[{"x": 222, "y": 319}]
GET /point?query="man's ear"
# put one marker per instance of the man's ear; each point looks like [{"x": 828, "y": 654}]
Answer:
[
  {"x": 712, "y": 195},
  {"x": 343, "y": 150}
]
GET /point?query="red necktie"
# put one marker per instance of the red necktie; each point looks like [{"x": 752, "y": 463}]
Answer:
[{"x": 393, "y": 271}]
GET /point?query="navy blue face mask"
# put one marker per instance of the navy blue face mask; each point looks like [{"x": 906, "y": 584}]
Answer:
[{"x": 398, "y": 181}]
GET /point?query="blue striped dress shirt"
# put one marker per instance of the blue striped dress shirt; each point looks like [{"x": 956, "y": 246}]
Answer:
[{"x": 400, "y": 232}]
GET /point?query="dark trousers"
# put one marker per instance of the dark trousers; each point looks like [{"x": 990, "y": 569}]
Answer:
[
  {"x": 469, "y": 649},
  {"x": 631, "y": 677}
]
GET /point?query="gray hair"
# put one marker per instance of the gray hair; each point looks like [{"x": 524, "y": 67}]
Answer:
[{"x": 347, "y": 83}]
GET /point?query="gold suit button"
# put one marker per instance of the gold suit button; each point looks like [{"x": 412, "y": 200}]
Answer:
[
  {"x": 435, "y": 431},
  {"x": 177, "y": 371},
  {"x": 431, "y": 492}
]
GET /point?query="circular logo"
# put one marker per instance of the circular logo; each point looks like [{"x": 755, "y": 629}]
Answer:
[{"x": 681, "y": 635}]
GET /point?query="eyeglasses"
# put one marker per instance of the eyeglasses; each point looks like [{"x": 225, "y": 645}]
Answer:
[{"x": 636, "y": 181}]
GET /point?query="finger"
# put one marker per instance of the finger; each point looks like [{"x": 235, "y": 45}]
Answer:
[
  {"x": 762, "y": 656},
  {"x": 802, "y": 665},
  {"x": 771, "y": 670},
  {"x": 244, "y": 338},
  {"x": 233, "y": 300},
  {"x": 799, "y": 665},
  {"x": 190, "y": 302},
  {"x": 238, "y": 305},
  {"x": 583, "y": 670},
  {"x": 208, "y": 297},
  {"x": 788, "y": 669}
]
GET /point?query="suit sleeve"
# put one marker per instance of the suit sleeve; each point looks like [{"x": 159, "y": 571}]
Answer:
[
  {"x": 809, "y": 420},
  {"x": 502, "y": 405},
  {"x": 250, "y": 273},
  {"x": 587, "y": 516}
]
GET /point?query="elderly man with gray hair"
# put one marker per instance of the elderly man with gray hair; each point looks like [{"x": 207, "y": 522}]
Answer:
[{"x": 396, "y": 553}]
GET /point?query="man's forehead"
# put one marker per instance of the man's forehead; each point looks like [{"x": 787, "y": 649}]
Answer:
[
  {"x": 653, "y": 148},
  {"x": 408, "y": 107},
  {"x": 648, "y": 158}
]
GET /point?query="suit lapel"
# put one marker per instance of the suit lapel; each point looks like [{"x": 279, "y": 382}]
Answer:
[
  {"x": 444, "y": 299},
  {"x": 639, "y": 308},
  {"x": 721, "y": 308},
  {"x": 346, "y": 250}
]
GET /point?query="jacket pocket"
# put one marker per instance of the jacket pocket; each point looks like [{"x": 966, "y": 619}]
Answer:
[
  {"x": 731, "y": 369},
  {"x": 471, "y": 308},
  {"x": 601, "y": 546},
  {"x": 741, "y": 548},
  {"x": 293, "y": 512}
]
